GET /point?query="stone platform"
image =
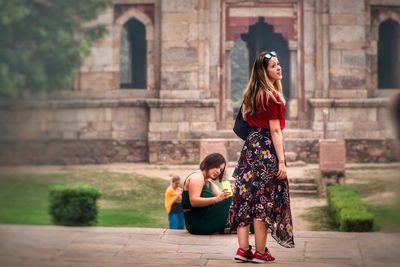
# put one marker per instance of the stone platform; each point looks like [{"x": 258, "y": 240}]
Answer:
[{"x": 45, "y": 246}]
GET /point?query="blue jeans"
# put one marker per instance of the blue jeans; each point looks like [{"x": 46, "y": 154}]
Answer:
[{"x": 176, "y": 221}]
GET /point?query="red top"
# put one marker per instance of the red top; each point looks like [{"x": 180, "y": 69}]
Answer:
[{"x": 272, "y": 111}]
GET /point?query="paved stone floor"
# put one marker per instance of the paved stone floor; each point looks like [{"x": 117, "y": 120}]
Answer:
[{"x": 53, "y": 246}]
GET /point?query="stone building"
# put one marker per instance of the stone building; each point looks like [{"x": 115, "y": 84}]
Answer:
[{"x": 158, "y": 87}]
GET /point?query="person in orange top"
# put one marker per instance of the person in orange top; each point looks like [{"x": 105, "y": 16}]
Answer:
[{"x": 173, "y": 204}]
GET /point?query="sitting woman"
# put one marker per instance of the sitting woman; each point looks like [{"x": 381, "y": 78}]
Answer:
[{"x": 205, "y": 206}]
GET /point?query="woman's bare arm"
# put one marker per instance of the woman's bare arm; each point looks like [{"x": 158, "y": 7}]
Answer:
[
  {"x": 195, "y": 186},
  {"x": 277, "y": 140}
]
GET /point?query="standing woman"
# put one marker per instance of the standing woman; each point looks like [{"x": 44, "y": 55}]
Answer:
[{"x": 261, "y": 192}]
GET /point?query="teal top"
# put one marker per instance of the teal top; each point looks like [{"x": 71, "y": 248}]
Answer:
[
  {"x": 205, "y": 192},
  {"x": 205, "y": 220}
]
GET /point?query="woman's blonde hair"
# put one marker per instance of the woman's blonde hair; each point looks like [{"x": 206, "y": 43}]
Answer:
[{"x": 258, "y": 83}]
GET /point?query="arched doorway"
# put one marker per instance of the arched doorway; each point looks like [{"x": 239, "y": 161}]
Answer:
[
  {"x": 133, "y": 53},
  {"x": 389, "y": 55},
  {"x": 261, "y": 37},
  {"x": 261, "y": 27}
]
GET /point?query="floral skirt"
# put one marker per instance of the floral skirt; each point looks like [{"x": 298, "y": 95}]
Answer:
[{"x": 258, "y": 194}]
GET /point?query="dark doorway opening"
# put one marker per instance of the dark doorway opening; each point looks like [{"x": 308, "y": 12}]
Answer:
[
  {"x": 261, "y": 37},
  {"x": 133, "y": 53},
  {"x": 389, "y": 55}
]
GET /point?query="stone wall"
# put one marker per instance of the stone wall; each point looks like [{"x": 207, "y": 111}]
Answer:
[
  {"x": 73, "y": 131},
  {"x": 65, "y": 152},
  {"x": 347, "y": 55},
  {"x": 185, "y": 151},
  {"x": 353, "y": 118},
  {"x": 74, "y": 120},
  {"x": 76, "y": 131}
]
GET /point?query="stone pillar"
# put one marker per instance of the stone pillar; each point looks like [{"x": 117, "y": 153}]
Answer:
[
  {"x": 322, "y": 49},
  {"x": 227, "y": 112},
  {"x": 347, "y": 43},
  {"x": 293, "y": 102},
  {"x": 181, "y": 50},
  {"x": 332, "y": 162}
]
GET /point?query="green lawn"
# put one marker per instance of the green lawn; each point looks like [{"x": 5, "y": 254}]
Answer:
[
  {"x": 127, "y": 199},
  {"x": 379, "y": 189}
]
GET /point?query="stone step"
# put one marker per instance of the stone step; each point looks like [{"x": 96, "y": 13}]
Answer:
[
  {"x": 304, "y": 186},
  {"x": 296, "y": 163},
  {"x": 302, "y": 133},
  {"x": 301, "y": 124},
  {"x": 288, "y": 133},
  {"x": 290, "y": 156},
  {"x": 298, "y": 180},
  {"x": 304, "y": 193}
]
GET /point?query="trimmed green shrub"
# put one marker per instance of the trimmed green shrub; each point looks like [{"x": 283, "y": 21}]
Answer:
[
  {"x": 73, "y": 206},
  {"x": 346, "y": 207},
  {"x": 356, "y": 220}
]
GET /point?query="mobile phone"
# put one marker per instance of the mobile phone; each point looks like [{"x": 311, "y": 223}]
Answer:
[{"x": 227, "y": 185}]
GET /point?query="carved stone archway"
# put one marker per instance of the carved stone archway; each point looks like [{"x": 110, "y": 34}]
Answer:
[
  {"x": 379, "y": 14},
  {"x": 237, "y": 18},
  {"x": 144, "y": 14}
]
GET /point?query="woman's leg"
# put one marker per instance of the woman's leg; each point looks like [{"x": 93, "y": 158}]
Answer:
[
  {"x": 260, "y": 234},
  {"x": 243, "y": 236}
]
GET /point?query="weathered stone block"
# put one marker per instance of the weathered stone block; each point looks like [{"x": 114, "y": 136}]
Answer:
[
  {"x": 183, "y": 127},
  {"x": 178, "y": 6},
  {"x": 343, "y": 19},
  {"x": 335, "y": 58},
  {"x": 354, "y": 59},
  {"x": 317, "y": 125},
  {"x": 346, "y": 7},
  {"x": 340, "y": 126},
  {"x": 173, "y": 114},
  {"x": 332, "y": 155},
  {"x": 175, "y": 32},
  {"x": 348, "y": 93},
  {"x": 203, "y": 126},
  {"x": 200, "y": 115},
  {"x": 163, "y": 127},
  {"x": 208, "y": 146},
  {"x": 181, "y": 94},
  {"x": 346, "y": 114},
  {"x": 342, "y": 82},
  {"x": 180, "y": 18},
  {"x": 100, "y": 56},
  {"x": 183, "y": 80},
  {"x": 366, "y": 126},
  {"x": 346, "y": 33},
  {"x": 155, "y": 115},
  {"x": 98, "y": 81},
  {"x": 86, "y": 115},
  {"x": 68, "y": 115},
  {"x": 180, "y": 55}
]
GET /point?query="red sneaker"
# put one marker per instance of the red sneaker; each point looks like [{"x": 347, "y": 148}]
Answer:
[
  {"x": 267, "y": 252},
  {"x": 263, "y": 258},
  {"x": 244, "y": 255}
]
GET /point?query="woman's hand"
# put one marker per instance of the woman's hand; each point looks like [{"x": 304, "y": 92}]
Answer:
[
  {"x": 282, "y": 171},
  {"x": 224, "y": 194}
]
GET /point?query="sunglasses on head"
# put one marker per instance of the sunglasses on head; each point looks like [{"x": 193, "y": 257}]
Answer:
[{"x": 269, "y": 55}]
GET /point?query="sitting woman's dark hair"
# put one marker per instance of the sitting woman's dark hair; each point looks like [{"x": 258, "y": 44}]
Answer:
[{"x": 213, "y": 160}]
